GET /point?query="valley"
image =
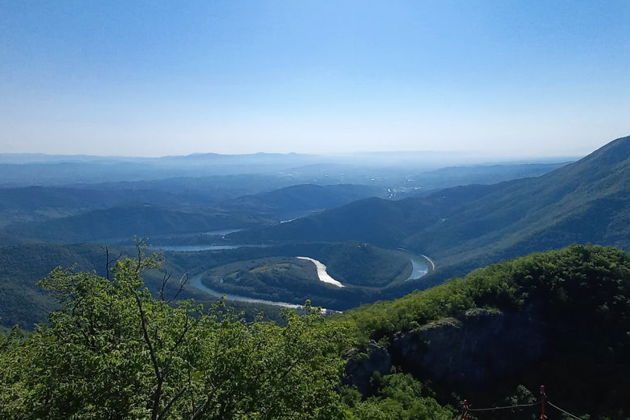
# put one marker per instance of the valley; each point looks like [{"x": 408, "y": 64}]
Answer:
[
  {"x": 315, "y": 210},
  {"x": 284, "y": 274},
  {"x": 374, "y": 246},
  {"x": 383, "y": 266}
]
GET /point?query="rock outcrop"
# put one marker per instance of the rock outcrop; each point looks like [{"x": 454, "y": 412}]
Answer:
[
  {"x": 484, "y": 345},
  {"x": 362, "y": 365}
]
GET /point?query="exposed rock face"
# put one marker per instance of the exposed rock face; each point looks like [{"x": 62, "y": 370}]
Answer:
[
  {"x": 484, "y": 345},
  {"x": 361, "y": 366}
]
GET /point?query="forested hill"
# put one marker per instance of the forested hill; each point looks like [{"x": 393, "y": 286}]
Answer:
[
  {"x": 122, "y": 223},
  {"x": 22, "y": 302},
  {"x": 587, "y": 201},
  {"x": 74, "y": 214},
  {"x": 300, "y": 198},
  {"x": 558, "y": 318}
]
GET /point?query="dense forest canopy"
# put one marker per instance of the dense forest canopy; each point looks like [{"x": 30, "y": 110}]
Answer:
[{"x": 114, "y": 350}]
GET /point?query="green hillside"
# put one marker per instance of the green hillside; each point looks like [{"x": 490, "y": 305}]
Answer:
[
  {"x": 558, "y": 318},
  {"x": 9, "y": 240},
  {"x": 22, "y": 302},
  {"x": 362, "y": 264},
  {"x": 282, "y": 279},
  {"x": 120, "y": 223},
  {"x": 34, "y": 198},
  {"x": 381, "y": 222},
  {"x": 274, "y": 273},
  {"x": 297, "y": 199},
  {"x": 471, "y": 226},
  {"x": 102, "y": 212},
  {"x": 581, "y": 202}
]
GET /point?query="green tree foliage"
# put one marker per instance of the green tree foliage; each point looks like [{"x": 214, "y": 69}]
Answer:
[
  {"x": 398, "y": 397},
  {"x": 580, "y": 299},
  {"x": 114, "y": 351},
  {"x": 590, "y": 284}
]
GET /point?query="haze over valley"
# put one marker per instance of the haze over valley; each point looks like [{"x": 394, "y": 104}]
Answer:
[
  {"x": 399, "y": 228},
  {"x": 283, "y": 237},
  {"x": 321, "y": 210}
]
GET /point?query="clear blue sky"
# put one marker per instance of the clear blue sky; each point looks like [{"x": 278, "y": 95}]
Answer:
[{"x": 176, "y": 77}]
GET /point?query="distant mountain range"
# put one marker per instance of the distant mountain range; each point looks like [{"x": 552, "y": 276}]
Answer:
[
  {"x": 354, "y": 168},
  {"x": 111, "y": 210}
]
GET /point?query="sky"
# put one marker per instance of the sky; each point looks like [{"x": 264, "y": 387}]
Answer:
[{"x": 151, "y": 78}]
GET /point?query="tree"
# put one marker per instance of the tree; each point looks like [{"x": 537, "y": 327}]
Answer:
[
  {"x": 398, "y": 396},
  {"x": 115, "y": 351}
]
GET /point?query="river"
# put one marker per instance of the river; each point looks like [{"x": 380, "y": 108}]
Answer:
[
  {"x": 199, "y": 248},
  {"x": 421, "y": 265},
  {"x": 196, "y": 282},
  {"x": 322, "y": 274}
]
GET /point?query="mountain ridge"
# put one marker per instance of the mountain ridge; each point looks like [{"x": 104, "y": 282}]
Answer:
[{"x": 457, "y": 226}]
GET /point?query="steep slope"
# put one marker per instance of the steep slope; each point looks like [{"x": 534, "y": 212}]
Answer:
[
  {"x": 382, "y": 222},
  {"x": 558, "y": 318},
  {"x": 480, "y": 174},
  {"x": 22, "y": 302},
  {"x": 587, "y": 201}
]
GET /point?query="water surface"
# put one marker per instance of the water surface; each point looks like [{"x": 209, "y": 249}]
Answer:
[{"x": 322, "y": 274}]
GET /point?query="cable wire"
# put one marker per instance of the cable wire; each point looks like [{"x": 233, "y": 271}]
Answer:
[
  {"x": 563, "y": 411},
  {"x": 504, "y": 408}
]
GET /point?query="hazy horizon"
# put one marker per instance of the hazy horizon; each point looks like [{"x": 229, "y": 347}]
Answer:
[
  {"x": 474, "y": 155},
  {"x": 508, "y": 79}
]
